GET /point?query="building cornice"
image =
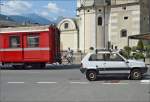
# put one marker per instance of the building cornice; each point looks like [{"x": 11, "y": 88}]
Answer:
[
  {"x": 109, "y": 6},
  {"x": 127, "y": 4}
]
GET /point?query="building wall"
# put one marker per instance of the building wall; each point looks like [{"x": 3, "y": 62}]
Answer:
[
  {"x": 145, "y": 13},
  {"x": 118, "y": 23},
  {"x": 90, "y": 2},
  {"x": 92, "y": 35},
  {"x": 149, "y": 15},
  {"x": 87, "y": 29},
  {"x": 102, "y": 30},
  {"x": 116, "y": 2},
  {"x": 69, "y": 40},
  {"x": 69, "y": 35},
  {"x": 145, "y": 17}
]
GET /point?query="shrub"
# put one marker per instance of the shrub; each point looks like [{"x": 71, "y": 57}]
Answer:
[
  {"x": 138, "y": 55},
  {"x": 127, "y": 51},
  {"x": 140, "y": 46}
]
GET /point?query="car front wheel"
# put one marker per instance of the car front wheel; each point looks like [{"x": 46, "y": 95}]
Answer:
[
  {"x": 136, "y": 74},
  {"x": 91, "y": 75}
]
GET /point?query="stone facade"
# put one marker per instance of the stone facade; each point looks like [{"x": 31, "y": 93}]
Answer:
[
  {"x": 101, "y": 21},
  {"x": 117, "y": 2},
  {"x": 124, "y": 21},
  {"x": 93, "y": 28},
  {"x": 120, "y": 19},
  {"x": 69, "y": 34}
]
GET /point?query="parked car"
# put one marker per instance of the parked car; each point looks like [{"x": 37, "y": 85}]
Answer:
[{"x": 107, "y": 62}]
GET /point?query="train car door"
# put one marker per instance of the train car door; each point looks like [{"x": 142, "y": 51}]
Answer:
[
  {"x": 32, "y": 47},
  {"x": 13, "y": 48}
]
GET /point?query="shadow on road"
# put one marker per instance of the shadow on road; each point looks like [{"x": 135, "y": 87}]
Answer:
[
  {"x": 48, "y": 67},
  {"x": 62, "y": 67},
  {"x": 112, "y": 78},
  {"x": 118, "y": 77}
]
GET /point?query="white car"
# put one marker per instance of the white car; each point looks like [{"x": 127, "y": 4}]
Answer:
[{"x": 111, "y": 62}]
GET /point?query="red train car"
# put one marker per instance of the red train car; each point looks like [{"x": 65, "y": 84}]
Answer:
[{"x": 30, "y": 46}]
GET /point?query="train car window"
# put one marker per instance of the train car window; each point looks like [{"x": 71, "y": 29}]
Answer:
[
  {"x": 33, "y": 41},
  {"x": 14, "y": 41}
]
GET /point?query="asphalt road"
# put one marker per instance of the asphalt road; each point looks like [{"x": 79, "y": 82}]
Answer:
[{"x": 64, "y": 84}]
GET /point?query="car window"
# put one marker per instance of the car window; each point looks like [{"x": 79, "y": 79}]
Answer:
[
  {"x": 113, "y": 57},
  {"x": 97, "y": 57}
]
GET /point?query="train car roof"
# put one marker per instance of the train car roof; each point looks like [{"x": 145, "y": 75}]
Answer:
[{"x": 25, "y": 29}]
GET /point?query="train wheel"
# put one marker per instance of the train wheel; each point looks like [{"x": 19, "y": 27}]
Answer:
[
  {"x": 34, "y": 65},
  {"x": 43, "y": 65},
  {"x": 18, "y": 67},
  {"x": 27, "y": 66}
]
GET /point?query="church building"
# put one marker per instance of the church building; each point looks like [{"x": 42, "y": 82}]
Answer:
[{"x": 101, "y": 21}]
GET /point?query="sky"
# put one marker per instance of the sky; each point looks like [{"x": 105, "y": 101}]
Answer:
[{"x": 50, "y": 9}]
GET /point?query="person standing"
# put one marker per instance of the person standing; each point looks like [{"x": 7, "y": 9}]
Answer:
[{"x": 69, "y": 56}]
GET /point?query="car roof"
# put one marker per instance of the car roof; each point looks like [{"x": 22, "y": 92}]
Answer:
[{"x": 103, "y": 52}]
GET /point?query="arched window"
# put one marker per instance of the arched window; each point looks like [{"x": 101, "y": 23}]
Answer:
[
  {"x": 123, "y": 33},
  {"x": 66, "y": 25},
  {"x": 100, "y": 21}
]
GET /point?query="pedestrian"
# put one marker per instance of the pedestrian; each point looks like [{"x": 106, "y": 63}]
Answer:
[{"x": 69, "y": 56}]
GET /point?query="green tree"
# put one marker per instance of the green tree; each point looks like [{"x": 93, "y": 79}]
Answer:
[
  {"x": 127, "y": 51},
  {"x": 140, "y": 46}
]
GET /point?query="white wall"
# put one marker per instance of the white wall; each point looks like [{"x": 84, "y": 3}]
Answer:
[
  {"x": 69, "y": 36},
  {"x": 87, "y": 29},
  {"x": 117, "y": 23}
]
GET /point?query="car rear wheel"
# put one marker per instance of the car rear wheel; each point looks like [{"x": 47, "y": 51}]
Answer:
[
  {"x": 136, "y": 74},
  {"x": 91, "y": 75}
]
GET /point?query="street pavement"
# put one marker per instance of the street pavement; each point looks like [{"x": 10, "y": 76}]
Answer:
[{"x": 67, "y": 84}]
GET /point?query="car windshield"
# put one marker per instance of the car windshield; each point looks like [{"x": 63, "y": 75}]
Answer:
[{"x": 113, "y": 57}]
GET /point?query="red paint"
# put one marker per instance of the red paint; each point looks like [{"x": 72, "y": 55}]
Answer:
[{"x": 46, "y": 52}]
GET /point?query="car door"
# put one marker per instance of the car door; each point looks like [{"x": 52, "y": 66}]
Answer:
[
  {"x": 115, "y": 64},
  {"x": 97, "y": 62}
]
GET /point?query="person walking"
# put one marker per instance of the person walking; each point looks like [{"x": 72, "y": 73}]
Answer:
[{"x": 69, "y": 56}]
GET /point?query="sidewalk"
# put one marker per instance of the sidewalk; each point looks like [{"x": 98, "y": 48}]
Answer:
[
  {"x": 62, "y": 66},
  {"x": 48, "y": 67}
]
